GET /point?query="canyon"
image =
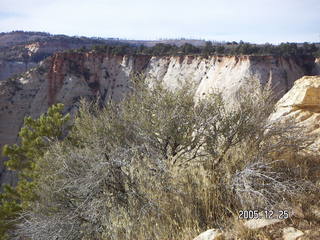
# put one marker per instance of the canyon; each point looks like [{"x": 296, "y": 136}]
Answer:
[
  {"x": 21, "y": 51},
  {"x": 67, "y": 77}
]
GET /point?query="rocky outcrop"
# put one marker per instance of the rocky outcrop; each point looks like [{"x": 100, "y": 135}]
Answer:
[
  {"x": 302, "y": 105},
  {"x": 290, "y": 233},
  {"x": 66, "y": 77},
  {"x": 260, "y": 223},
  {"x": 211, "y": 234},
  {"x": 21, "y": 51},
  {"x": 228, "y": 73}
]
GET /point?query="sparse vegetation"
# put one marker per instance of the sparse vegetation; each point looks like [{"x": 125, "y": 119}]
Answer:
[{"x": 162, "y": 165}]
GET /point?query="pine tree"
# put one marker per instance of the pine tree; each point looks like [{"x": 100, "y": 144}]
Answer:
[{"x": 35, "y": 137}]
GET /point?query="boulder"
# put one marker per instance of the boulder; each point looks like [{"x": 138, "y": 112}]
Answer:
[
  {"x": 211, "y": 234},
  {"x": 260, "y": 223},
  {"x": 302, "y": 105},
  {"x": 290, "y": 233}
]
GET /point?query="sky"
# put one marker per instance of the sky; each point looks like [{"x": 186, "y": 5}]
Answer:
[{"x": 256, "y": 21}]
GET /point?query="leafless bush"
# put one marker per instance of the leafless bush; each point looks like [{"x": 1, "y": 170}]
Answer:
[
  {"x": 37, "y": 225},
  {"x": 87, "y": 193},
  {"x": 260, "y": 185}
]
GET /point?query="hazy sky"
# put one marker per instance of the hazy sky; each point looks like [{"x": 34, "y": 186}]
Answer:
[{"x": 249, "y": 20}]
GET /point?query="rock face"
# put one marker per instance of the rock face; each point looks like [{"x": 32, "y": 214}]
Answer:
[
  {"x": 260, "y": 223},
  {"x": 66, "y": 77},
  {"x": 211, "y": 234},
  {"x": 18, "y": 59},
  {"x": 291, "y": 233},
  {"x": 229, "y": 72},
  {"x": 302, "y": 104},
  {"x": 20, "y": 51},
  {"x": 9, "y": 68}
]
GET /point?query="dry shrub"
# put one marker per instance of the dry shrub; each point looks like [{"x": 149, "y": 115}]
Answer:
[{"x": 160, "y": 165}]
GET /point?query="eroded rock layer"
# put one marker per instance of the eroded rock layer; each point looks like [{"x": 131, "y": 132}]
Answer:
[{"x": 302, "y": 105}]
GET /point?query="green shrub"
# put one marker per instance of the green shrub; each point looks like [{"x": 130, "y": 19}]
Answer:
[{"x": 35, "y": 137}]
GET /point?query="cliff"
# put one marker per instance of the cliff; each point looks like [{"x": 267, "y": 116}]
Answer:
[
  {"x": 10, "y": 68},
  {"x": 22, "y": 57},
  {"x": 21, "y": 51},
  {"x": 302, "y": 105},
  {"x": 66, "y": 77}
]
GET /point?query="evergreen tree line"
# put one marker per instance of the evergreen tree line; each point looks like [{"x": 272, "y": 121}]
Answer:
[{"x": 230, "y": 48}]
